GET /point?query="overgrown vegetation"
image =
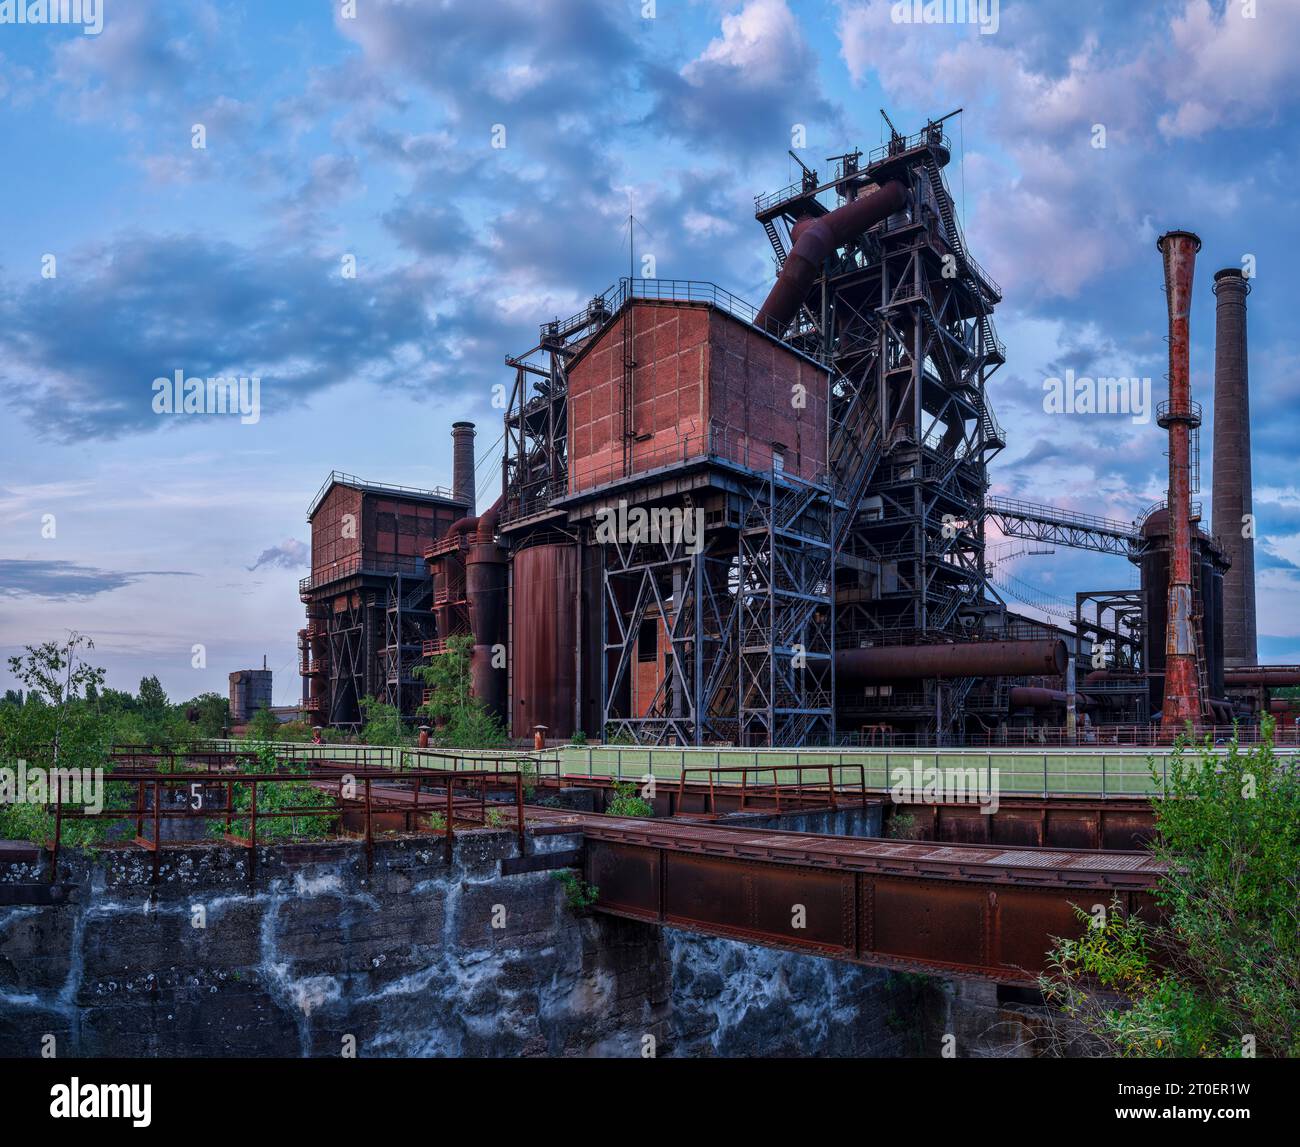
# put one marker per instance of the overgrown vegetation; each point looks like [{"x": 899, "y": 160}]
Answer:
[
  {"x": 64, "y": 717},
  {"x": 383, "y": 724},
  {"x": 1218, "y": 976},
  {"x": 279, "y": 797},
  {"x": 902, "y": 826},
  {"x": 460, "y": 720},
  {"x": 580, "y": 895},
  {"x": 626, "y": 801}
]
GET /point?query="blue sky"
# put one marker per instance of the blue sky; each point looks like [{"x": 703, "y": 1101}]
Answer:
[{"x": 329, "y": 136}]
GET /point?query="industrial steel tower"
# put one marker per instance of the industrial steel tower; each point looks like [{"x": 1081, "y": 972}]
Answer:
[{"x": 883, "y": 288}]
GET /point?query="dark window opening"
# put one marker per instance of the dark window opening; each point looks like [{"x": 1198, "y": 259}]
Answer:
[{"x": 647, "y": 643}]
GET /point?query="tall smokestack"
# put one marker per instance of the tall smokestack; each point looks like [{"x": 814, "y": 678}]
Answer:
[
  {"x": 462, "y": 463},
  {"x": 1232, "y": 499},
  {"x": 1180, "y": 418}
]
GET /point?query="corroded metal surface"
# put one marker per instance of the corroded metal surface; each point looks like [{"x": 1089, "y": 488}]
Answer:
[{"x": 966, "y": 910}]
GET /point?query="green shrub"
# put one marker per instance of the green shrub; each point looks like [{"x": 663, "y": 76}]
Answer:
[
  {"x": 626, "y": 801},
  {"x": 1219, "y": 974},
  {"x": 580, "y": 895}
]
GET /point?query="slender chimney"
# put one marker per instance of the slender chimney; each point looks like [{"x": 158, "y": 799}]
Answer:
[
  {"x": 462, "y": 463},
  {"x": 1180, "y": 417},
  {"x": 1232, "y": 499}
]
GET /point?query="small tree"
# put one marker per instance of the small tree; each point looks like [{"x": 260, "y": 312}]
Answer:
[
  {"x": 263, "y": 726},
  {"x": 383, "y": 724},
  {"x": 461, "y": 719},
  {"x": 59, "y": 674}
]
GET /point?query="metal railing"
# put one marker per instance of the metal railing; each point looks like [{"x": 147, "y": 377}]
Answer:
[
  {"x": 797, "y": 793},
  {"x": 363, "y": 791},
  {"x": 382, "y": 564},
  {"x": 344, "y": 479}
]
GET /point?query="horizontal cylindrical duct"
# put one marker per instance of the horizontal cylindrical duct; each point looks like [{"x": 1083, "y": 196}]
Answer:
[
  {"x": 1272, "y": 676},
  {"x": 974, "y": 659},
  {"x": 1028, "y": 697}
]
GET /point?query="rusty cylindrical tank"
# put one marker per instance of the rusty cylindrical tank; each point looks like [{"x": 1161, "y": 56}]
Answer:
[
  {"x": 1232, "y": 497},
  {"x": 973, "y": 659},
  {"x": 485, "y": 589},
  {"x": 544, "y": 628},
  {"x": 1182, "y": 702}
]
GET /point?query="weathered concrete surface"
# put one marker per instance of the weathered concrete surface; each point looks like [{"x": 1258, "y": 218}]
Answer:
[
  {"x": 406, "y": 960},
  {"x": 732, "y": 999},
  {"x": 412, "y": 959}
]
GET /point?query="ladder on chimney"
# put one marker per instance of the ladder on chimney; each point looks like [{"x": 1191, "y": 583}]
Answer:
[{"x": 1198, "y": 635}]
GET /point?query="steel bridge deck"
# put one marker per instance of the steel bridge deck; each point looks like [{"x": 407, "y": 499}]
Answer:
[{"x": 956, "y": 909}]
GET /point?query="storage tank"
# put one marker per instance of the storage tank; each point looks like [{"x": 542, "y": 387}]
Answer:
[
  {"x": 250, "y": 690},
  {"x": 544, "y": 629},
  {"x": 1154, "y": 565}
]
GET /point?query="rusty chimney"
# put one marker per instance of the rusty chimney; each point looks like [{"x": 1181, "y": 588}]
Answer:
[
  {"x": 1232, "y": 500},
  {"x": 462, "y": 463},
  {"x": 1180, "y": 416}
]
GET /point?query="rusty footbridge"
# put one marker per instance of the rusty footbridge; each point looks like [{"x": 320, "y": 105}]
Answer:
[{"x": 807, "y": 858}]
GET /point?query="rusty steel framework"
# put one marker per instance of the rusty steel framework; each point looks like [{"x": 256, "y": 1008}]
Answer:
[
  {"x": 745, "y": 609},
  {"x": 1054, "y": 526},
  {"x": 886, "y": 548},
  {"x": 903, "y": 315}
]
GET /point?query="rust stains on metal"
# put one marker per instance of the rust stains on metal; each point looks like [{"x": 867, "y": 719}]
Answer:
[{"x": 959, "y": 659}]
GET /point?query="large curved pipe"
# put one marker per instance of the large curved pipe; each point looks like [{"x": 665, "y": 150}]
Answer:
[
  {"x": 970, "y": 659},
  {"x": 462, "y": 526},
  {"x": 817, "y": 238}
]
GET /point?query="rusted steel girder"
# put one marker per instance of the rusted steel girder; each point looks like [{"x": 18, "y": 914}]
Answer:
[{"x": 957, "y": 910}]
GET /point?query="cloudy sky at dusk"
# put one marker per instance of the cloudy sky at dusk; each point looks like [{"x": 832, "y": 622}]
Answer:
[{"x": 372, "y": 137}]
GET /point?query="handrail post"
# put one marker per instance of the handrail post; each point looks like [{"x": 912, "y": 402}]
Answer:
[
  {"x": 58, "y": 830},
  {"x": 157, "y": 835},
  {"x": 519, "y": 808},
  {"x": 447, "y": 827},
  {"x": 252, "y": 831},
  {"x": 369, "y": 829}
]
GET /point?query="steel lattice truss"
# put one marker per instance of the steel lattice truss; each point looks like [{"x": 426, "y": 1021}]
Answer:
[
  {"x": 408, "y": 623},
  {"x": 904, "y": 318},
  {"x": 347, "y": 635},
  {"x": 786, "y": 691},
  {"x": 1053, "y": 526},
  {"x": 691, "y": 591}
]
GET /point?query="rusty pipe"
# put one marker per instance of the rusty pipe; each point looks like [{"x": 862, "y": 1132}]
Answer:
[
  {"x": 485, "y": 587},
  {"x": 814, "y": 240},
  {"x": 1270, "y": 676},
  {"x": 973, "y": 659},
  {"x": 1029, "y": 697},
  {"x": 1182, "y": 701}
]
